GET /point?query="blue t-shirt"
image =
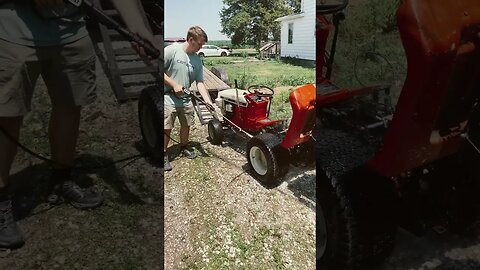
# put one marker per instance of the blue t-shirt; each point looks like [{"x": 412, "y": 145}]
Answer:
[
  {"x": 22, "y": 23},
  {"x": 184, "y": 69}
]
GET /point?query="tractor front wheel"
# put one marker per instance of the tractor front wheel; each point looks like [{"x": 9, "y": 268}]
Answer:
[
  {"x": 150, "y": 114},
  {"x": 215, "y": 131},
  {"x": 266, "y": 159}
]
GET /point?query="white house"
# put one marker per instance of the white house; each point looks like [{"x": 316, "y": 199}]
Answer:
[{"x": 298, "y": 33}]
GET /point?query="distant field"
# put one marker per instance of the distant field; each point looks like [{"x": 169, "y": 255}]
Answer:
[
  {"x": 244, "y": 52},
  {"x": 273, "y": 73}
]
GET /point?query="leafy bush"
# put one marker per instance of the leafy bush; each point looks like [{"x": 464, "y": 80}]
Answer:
[{"x": 369, "y": 49}]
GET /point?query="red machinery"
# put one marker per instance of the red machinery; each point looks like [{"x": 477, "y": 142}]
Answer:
[
  {"x": 414, "y": 166},
  {"x": 268, "y": 151}
]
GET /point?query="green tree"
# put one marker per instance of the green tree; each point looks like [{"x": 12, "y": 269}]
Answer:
[
  {"x": 296, "y": 5},
  {"x": 253, "y": 21}
]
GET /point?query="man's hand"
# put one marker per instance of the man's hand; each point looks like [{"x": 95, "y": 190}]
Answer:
[
  {"x": 156, "y": 41},
  {"x": 47, "y": 3},
  {"x": 217, "y": 112},
  {"x": 178, "y": 90}
]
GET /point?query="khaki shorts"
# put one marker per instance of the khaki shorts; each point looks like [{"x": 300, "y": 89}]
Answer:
[
  {"x": 68, "y": 71},
  {"x": 186, "y": 116}
]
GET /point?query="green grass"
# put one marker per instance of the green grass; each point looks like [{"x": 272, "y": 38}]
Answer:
[{"x": 272, "y": 73}]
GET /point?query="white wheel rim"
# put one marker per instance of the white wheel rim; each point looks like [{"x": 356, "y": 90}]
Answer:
[
  {"x": 322, "y": 234},
  {"x": 258, "y": 160},
  {"x": 148, "y": 127}
]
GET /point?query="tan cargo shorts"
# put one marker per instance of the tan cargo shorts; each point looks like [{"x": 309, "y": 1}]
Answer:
[
  {"x": 186, "y": 116},
  {"x": 68, "y": 71}
]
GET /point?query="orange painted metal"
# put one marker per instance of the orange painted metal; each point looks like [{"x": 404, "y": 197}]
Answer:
[
  {"x": 301, "y": 126},
  {"x": 442, "y": 43}
]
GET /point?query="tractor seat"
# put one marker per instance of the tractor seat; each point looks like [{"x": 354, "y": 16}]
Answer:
[{"x": 231, "y": 95}]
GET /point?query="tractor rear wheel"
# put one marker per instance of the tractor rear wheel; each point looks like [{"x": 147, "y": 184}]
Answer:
[
  {"x": 356, "y": 204},
  {"x": 150, "y": 113},
  {"x": 267, "y": 159},
  {"x": 215, "y": 131}
]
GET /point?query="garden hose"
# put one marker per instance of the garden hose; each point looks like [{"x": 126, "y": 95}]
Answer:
[{"x": 52, "y": 162}]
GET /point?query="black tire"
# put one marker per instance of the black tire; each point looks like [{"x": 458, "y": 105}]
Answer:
[
  {"x": 267, "y": 160},
  {"x": 356, "y": 204},
  {"x": 215, "y": 131},
  {"x": 201, "y": 55},
  {"x": 223, "y": 54},
  {"x": 150, "y": 113}
]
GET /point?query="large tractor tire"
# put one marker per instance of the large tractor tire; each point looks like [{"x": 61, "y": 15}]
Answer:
[
  {"x": 267, "y": 160},
  {"x": 150, "y": 113},
  {"x": 355, "y": 227},
  {"x": 221, "y": 74},
  {"x": 215, "y": 131}
]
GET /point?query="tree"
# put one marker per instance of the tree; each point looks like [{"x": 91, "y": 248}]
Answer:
[
  {"x": 296, "y": 5},
  {"x": 253, "y": 21}
]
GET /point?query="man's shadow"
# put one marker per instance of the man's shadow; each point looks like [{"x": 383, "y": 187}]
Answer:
[{"x": 32, "y": 185}]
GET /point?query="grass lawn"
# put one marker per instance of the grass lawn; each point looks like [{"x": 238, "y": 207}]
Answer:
[{"x": 272, "y": 73}]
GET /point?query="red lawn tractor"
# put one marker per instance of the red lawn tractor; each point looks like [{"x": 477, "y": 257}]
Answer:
[
  {"x": 379, "y": 167},
  {"x": 269, "y": 145}
]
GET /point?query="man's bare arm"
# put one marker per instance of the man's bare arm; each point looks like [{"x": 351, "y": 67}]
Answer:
[{"x": 204, "y": 93}]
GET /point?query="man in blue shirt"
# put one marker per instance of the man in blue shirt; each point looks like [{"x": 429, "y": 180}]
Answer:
[{"x": 182, "y": 66}]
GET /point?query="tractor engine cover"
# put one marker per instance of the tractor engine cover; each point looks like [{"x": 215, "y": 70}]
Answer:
[{"x": 247, "y": 110}]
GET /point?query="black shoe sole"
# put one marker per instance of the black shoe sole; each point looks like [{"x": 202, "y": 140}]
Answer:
[
  {"x": 84, "y": 206},
  {"x": 12, "y": 246},
  {"x": 59, "y": 200}
]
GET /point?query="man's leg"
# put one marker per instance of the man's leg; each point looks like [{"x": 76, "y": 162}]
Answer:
[
  {"x": 10, "y": 234},
  {"x": 17, "y": 80},
  {"x": 186, "y": 116},
  {"x": 63, "y": 135},
  {"x": 70, "y": 78},
  {"x": 11, "y": 125},
  {"x": 166, "y": 139},
  {"x": 184, "y": 135},
  {"x": 169, "y": 115}
]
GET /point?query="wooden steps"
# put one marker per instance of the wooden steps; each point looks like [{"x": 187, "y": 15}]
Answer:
[{"x": 128, "y": 73}]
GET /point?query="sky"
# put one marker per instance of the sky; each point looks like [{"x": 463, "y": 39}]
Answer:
[{"x": 181, "y": 14}]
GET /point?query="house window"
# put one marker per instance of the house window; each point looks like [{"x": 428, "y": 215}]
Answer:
[{"x": 290, "y": 33}]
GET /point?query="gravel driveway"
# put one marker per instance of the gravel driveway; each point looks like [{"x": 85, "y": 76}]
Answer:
[{"x": 218, "y": 217}]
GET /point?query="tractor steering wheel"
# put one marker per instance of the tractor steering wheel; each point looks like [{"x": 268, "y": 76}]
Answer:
[
  {"x": 331, "y": 8},
  {"x": 260, "y": 90}
]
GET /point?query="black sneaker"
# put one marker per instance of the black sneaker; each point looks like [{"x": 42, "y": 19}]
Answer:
[
  {"x": 10, "y": 234},
  {"x": 188, "y": 152},
  {"x": 80, "y": 198},
  {"x": 166, "y": 163}
]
